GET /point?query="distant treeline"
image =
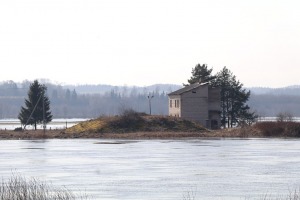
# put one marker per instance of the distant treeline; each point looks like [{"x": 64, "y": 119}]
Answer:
[
  {"x": 90, "y": 101},
  {"x": 87, "y": 101},
  {"x": 270, "y": 105},
  {"x": 290, "y": 90},
  {"x": 269, "y": 102}
]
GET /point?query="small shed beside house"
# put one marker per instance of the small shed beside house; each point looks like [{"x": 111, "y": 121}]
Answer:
[{"x": 198, "y": 102}]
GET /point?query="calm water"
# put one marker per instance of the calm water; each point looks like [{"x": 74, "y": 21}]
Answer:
[
  {"x": 11, "y": 124},
  {"x": 159, "y": 169}
]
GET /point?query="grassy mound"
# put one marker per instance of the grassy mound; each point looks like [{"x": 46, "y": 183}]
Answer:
[{"x": 135, "y": 122}]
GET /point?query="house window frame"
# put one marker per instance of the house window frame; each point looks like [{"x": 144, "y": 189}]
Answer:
[{"x": 178, "y": 103}]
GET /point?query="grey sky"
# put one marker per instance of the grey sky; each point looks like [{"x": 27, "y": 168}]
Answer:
[{"x": 136, "y": 42}]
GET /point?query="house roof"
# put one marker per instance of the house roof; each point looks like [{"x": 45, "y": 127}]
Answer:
[{"x": 187, "y": 88}]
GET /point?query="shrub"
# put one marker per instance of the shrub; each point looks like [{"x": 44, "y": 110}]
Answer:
[
  {"x": 285, "y": 117},
  {"x": 283, "y": 129},
  {"x": 18, "y": 129},
  {"x": 129, "y": 120}
]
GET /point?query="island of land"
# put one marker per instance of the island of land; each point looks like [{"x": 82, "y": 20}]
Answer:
[{"x": 141, "y": 126}]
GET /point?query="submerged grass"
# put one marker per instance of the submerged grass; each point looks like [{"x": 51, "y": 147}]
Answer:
[
  {"x": 293, "y": 195},
  {"x": 20, "y": 188}
]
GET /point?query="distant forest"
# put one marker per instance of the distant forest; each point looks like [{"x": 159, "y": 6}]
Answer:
[
  {"x": 87, "y": 101},
  {"x": 268, "y": 102},
  {"x": 91, "y": 101}
]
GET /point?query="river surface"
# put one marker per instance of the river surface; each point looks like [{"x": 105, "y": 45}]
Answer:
[
  {"x": 159, "y": 169},
  {"x": 11, "y": 124}
]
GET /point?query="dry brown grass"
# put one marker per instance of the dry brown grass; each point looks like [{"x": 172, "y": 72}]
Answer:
[
  {"x": 90, "y": 129},
  {"x": 60, "y": 134},
  {"x": 30, "y": 134},
  {"x": 131, "y": 135},
  {"x": 133, "y": 122},
  {"x": 278, "y": 129},
  {"x": 240, "y": 132}
]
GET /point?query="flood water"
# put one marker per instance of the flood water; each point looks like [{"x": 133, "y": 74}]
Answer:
[
  {"x": 159, "y": 169},
  {"x": 11, "y": 124}
]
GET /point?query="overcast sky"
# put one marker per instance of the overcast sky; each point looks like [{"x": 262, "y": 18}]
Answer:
[{"x": 143, "y": 42}]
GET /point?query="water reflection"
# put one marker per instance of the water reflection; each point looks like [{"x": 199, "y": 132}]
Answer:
[{"x": 159, "y": 169}]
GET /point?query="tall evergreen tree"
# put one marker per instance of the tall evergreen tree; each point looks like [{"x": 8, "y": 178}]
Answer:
[
  {"x": 234, "y": 110},
  {"x": 201, "y": 73},
  {"x": 37, "y": 106}
]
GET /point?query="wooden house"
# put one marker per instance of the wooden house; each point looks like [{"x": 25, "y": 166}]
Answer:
[{"x": 198, "y": 102}]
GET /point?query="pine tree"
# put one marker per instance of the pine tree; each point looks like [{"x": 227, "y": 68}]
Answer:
[
  {"x": 37, "y": 106},
  {"x": 234, "y": 110},
  {"x": 200, "y": 73}
]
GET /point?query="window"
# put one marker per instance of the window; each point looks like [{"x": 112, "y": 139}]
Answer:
[{"x": 177, "y": 104}]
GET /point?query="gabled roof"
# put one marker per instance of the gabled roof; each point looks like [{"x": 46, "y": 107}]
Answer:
[{"x": 187, "y": 88}]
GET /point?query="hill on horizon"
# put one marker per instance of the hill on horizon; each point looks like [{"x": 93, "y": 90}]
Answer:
[
  {"x": 289, "y": 90},
  {"x": 167, "y": 88},
  {"x": 103, "y": 88},
  {"x": 158, "y": 87},
  {"x": 89, "y": 101}
]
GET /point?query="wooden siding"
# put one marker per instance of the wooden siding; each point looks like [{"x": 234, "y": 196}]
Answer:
[
  {"x": 194, "y": 104},
  {"x": 201, "y": 104},
  {"x": 214, "y": 99}
]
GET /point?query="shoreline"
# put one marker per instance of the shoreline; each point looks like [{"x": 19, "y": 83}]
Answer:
[
  {"x": 259, "y": 130},
  {"x": 62, "y": 134}
]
